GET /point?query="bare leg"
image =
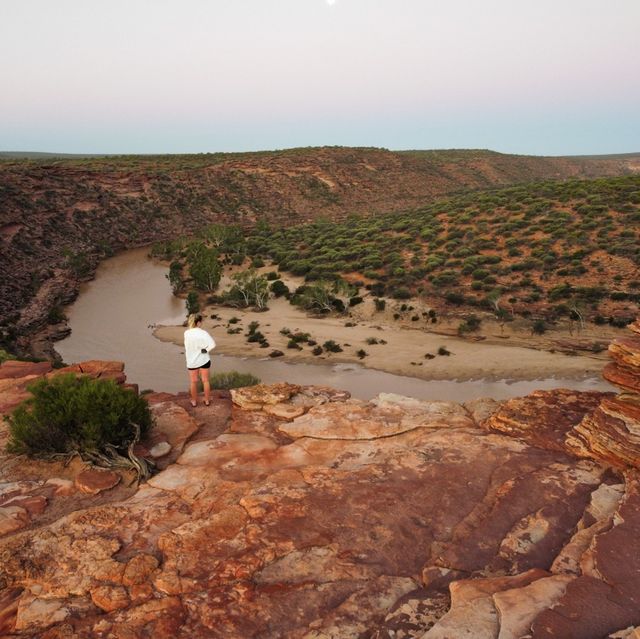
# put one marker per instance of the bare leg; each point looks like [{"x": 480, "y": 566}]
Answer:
[
  {"x": 193, "y": 386},
  {"x": 204, "y": 376}
]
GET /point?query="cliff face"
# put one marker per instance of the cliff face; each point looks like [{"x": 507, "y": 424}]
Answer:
[
  {"x": 58, "y": 219},
  {"x": 288, "y": 511}
]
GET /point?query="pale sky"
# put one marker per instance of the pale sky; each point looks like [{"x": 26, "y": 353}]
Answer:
[{"x": 171, "y": 76}]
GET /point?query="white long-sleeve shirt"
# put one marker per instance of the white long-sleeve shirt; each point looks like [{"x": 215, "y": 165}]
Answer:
[{"x": 195, "y": 339}]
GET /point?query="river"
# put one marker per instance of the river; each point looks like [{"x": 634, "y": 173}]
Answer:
[{"x": 114, "y": 315}]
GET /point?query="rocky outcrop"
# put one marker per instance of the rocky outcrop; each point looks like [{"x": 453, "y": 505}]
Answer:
[
  {"x": 544, "y": 418},
  {"x": 289, "y": 511},
  {"x": 612, "y": 432}
]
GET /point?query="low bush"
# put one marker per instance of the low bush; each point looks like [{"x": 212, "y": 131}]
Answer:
[
  {"x": 69, "y": 414},
  {"x": 232, "y": 379},
  {"x": 539, "y": 327},
  {"x": 332, "y": 347}
]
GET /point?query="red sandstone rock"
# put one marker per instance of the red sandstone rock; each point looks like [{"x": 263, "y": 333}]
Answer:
[
  {"x": 13, "y": 369},
  {"x": 96, "y": 369},
  {"x": 624, "y": 371},
  {"x": 284, "y": 411},
  {"x": 254, "y": 397},
  {"x": 138, "y": 569},
  {"x": 367, "y": 420},
  {"x": 93, "y": 481},
  {"x": 172, "y": 425},
  {"x": 310, "y": 532},
  {"x": 518, "y": 607},
  {"x": 609, "y": 600},
  {"x": 472, "y": 606},
  {"x": 610, "y": 433},
  {"x": 627, "y": 379},
  {"x": 62, "y": 487},
  {"x": 110, "y": 598},
  {"x": 543, "y": 418}
]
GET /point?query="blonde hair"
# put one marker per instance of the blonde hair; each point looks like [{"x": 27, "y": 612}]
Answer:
[{"x": 193, "y": 320}]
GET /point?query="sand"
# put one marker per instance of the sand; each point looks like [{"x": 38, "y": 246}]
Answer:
[{"x": 494, "y": 352}]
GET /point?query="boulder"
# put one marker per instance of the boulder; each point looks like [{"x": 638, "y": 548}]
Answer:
[{"x": 254, "y": 397}]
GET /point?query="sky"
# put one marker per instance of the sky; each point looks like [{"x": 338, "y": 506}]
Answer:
[{"x": 541, "y": 77}]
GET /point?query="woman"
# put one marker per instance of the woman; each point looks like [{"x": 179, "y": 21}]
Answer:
[{"x": 197, "y": 344}]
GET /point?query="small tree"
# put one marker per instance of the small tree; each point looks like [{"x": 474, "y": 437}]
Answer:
[
  {"x": 192, "y": 303},
  {"x": 175, "y": 276},
  {"x": 205, "y": 269},
  {"x": 249, "y": 289},
  {"x": 324, "y": 297}
]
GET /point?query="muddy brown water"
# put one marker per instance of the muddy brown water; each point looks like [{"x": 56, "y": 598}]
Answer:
[{"x": 114, "y": 316}]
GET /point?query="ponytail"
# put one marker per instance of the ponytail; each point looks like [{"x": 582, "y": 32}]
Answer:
[{"x": 194, "y": 319}]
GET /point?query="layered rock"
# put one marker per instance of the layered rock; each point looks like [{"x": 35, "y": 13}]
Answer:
[
  {"x": 333, "y": 517},
  {"x": 543, "y": 418},
  {"x": 612, "y": 432}
]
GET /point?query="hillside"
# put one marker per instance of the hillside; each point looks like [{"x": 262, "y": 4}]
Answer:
[
  {"x": 59, "y": 218},
  {"x": 542, "y": 250}
]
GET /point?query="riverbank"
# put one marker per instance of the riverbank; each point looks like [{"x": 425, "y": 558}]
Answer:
[{"x": 402, "y": 346}]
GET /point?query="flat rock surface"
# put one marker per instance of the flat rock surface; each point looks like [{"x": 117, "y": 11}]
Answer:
[{"x": 383, "y": 519}]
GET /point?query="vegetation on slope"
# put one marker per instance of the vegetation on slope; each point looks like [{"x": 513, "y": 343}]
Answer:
[{"x": 546, "y": 249}]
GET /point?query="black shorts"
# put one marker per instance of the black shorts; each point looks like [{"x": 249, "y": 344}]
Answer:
[{"x": 207, "y": 365}]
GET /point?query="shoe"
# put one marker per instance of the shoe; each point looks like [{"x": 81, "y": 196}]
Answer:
[
  {"x": 207, "y": 403},
  {"x": 194, "y": 404}
]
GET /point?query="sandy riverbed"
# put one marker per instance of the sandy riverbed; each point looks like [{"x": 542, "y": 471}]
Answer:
[{"x": 494, "y": 353}]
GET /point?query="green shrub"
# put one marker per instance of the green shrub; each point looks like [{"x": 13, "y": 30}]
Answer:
[
  {"x": 232, "y": 379},
  {"x": 539, "y": 327},
  {"x": 402, "y": 293},
  {"x": 470, "y": 324},
  {"x": 332, "y": 347},
  {"x": 76, "y": 414},
  {"x": 279, "y": 288}
]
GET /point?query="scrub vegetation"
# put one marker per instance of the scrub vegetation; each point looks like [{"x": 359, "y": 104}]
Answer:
[{"x": 543, "y": 250}]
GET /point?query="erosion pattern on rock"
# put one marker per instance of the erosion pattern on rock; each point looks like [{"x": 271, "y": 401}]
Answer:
[
  {"x": 291, "y": 511},
  {"x": 612, "y": 431}
]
